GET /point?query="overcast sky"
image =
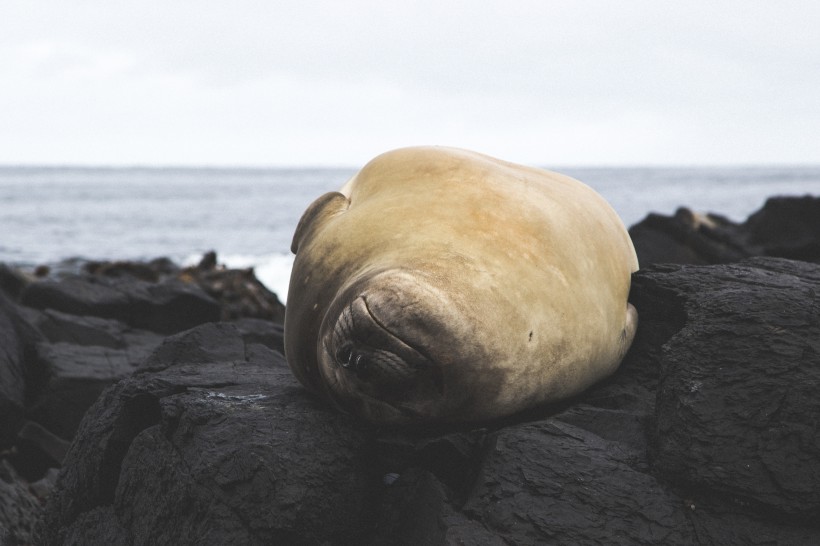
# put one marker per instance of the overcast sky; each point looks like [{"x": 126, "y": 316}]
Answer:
[{"x": 334, "y": 83}]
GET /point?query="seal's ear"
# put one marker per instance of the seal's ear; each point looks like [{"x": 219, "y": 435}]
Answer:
[{"x": 329, "y": 204}]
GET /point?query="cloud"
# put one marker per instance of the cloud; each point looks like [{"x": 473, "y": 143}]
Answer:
[{"x": 288, "y": 82}]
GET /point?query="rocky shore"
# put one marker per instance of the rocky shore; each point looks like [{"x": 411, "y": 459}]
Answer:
[{"x": 143, "y": 403}]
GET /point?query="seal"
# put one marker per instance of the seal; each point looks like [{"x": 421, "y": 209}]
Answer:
[{"x": 442, "y": 285}]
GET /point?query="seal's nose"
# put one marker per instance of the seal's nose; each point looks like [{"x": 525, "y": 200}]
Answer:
[
  {"x": 361, "y": 348},
  {"x": 348, "y": 358}
]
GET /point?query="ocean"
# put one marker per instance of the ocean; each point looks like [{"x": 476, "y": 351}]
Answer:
[{"x": 51, "y": 215}]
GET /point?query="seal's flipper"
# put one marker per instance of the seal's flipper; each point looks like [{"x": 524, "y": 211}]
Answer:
[
  {"x": 630, "y": 328},
  {"x": 324, "y": 207}
]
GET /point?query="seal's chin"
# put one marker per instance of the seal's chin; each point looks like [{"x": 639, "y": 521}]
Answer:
[{"x": 374, "y": 367}]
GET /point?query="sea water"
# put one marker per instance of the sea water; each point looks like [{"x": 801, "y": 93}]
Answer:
[{"x": 52, "y": 214}]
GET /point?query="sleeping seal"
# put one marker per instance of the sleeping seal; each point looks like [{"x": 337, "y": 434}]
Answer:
[{"x": 443, "y": 285}]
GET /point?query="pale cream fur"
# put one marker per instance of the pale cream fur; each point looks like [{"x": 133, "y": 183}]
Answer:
[{"x": 526, "y": 272}]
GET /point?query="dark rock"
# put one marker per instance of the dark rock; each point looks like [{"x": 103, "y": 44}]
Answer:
[
  {"x": 12, "y": 281},
  {"x": 731, "y": 528},
  {"x": 416, "y": 509},
  {"x": 238, "y": 291},
  {"x": 705, "y": 435},
  {"x": 12, "y": 376},
  {"x": 787, "y": 227},
  {"x": 153, "y": 271},
  {"x": 453, "y": 458},
  {"x": 737, "y": 404},
  {"x": 20, "y": 508},
  {"x": 168, "y": 307},
  {"x": 37, "y": 450},
  {"x": 82, "y": 330},
  {"x": 67, "y": 378},
  {"x": 199, "y": 345},
  {"x": 424, "y": 480},
  {"x": 17, "y": 342},
  {"x": 208, "y": 261},
  {"x": 551, "y": 482},
  {"x": 269, "y": 334},
  {"x": 78, "y": 296},
  {"x": 686, "y": 238},
  {"x": 217, "y": 445},
  {"x": 99, "y": 526},
  {"x": 44, "y": 442},
  {"x": 411, "y": 511},
  {"x": 79, "y": 357},
  {"x": 43, "y": 487}
]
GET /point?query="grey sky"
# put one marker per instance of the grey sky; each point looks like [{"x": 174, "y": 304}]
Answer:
[{"x": 337, "y": 82}]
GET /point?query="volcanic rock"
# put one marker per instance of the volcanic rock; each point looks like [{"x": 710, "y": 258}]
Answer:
[
  {"x": 705, "y": 435},
  {"x": 20, "y": 508},
  {"x": 17, "y": 342},
  {"x": 737, "y": 411},
  {"x": 786, "y": 227},
  {"x": 168, "y": 307},
  {"x": 12, "y": 281},
  {"x": 152, "y": 271},
  {"x": 211, "y": 444},
  {"x": 65, "y": 340},
  {"x": 239, "y": 292}
]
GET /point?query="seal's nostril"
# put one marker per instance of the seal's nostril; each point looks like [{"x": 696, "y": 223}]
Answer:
[
  {"x": 345, "y": 355},
  {"x": 349, "y": 359},
  {"x": 360, "y": 363}
]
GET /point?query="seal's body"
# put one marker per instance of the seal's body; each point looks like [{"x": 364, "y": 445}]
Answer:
[{"x": 444, "y": 285}]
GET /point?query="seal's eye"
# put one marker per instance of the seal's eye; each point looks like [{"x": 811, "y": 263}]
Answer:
[{"x": 345, "y": 355}]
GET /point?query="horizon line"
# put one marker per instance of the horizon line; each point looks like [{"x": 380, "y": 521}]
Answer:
[{"x": 331, "y": 167}]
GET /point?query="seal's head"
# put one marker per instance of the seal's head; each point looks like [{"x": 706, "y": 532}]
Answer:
[{"x": 379, "y": 349}]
